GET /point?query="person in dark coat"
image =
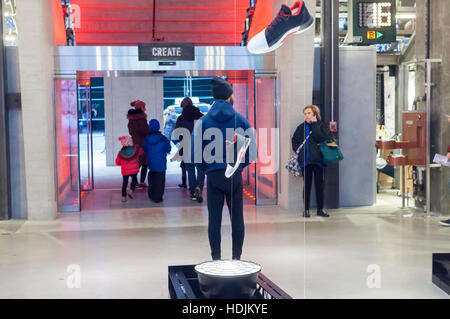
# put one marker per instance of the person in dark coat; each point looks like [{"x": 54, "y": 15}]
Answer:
[
  {"x": 310, "y": 157},
  {"x": 223, "y": 117},
  {"x": 138, "y": 129},
  {"x": 186, "y": 120},
  {"x": 156, "y": 147}
]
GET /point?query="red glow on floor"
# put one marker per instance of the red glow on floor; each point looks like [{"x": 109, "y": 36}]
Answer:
[{"x": 249, "y": 195}]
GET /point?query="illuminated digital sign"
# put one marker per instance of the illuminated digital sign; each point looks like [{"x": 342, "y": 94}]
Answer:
[
  {"x": 372, "y": 22},
  {"x": 375, "y": 15}
]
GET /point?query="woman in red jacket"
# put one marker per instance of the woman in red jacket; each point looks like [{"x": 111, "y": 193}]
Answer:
[{"x": 128, "y": 159}]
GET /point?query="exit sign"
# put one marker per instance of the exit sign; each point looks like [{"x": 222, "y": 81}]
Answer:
[{"x": 372, "y": 22}]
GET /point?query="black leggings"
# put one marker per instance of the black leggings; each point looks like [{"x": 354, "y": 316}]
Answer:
[
  {"x": 125, "y": 183},
  {"x": 144, "y": 169},
  {"x": 183, "y": 173},
  {"x": 308, "y": 172},
  {"x": 219, "y": 188},
  {"x": 156, "y": 186}
]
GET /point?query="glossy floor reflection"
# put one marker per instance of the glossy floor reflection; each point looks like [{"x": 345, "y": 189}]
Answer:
[{"x": 124, "y": 253}]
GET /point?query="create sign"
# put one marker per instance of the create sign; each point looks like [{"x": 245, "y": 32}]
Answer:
[{"x": 166, "y": 51}]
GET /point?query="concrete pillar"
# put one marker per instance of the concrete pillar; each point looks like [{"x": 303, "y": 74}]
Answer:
[
  {"x": 4, "y": 187},
  {"x": 295, "y": 64},
  {"x": 34, "y": 22},
  {"x": 440, "y": 99},
  {"x": 18, "y": 197},
  {"x": 440, "y": 104}
]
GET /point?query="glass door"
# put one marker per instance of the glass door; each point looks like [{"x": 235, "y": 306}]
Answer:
[
  {"x": 66, "y": 122},
  {"x": 85, "y": 136},
  {"x": 266, "y": 125}
]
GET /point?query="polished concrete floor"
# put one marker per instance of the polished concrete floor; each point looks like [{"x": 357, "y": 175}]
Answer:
[{"x": 124, "y": 253}]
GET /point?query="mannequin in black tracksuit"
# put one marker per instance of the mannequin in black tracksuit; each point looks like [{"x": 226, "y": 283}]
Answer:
[
  {"x": 222, "y": 117},
  {"x": 310, "y": 157}
]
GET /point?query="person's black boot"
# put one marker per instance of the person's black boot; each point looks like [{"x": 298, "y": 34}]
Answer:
[
  {"x": 182, "y": 185},
  {"x": 198, "y": 194},
  {"x": 322, "y": 213},
  {"x": 306, "y": 214}
]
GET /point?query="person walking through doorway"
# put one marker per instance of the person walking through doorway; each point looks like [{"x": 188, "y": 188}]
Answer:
[
  {"x": 156, "y": 147},
  {"x": 138, "y": 129},
  {"x": 186, "y": 120},
  {"x": 169, "y": 124},
  {"x": 128, "y": 160}
]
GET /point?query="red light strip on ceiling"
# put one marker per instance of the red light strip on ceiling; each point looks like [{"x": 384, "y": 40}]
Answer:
[
  {"x": 161, "y": 8},
  {"x": 162, "y": 20},
  {"x": 159, "y": 31}
]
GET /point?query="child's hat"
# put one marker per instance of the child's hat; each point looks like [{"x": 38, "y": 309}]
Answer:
[
  {"x": 126, "y": 141},
  {"x": 138, "y": 105},
  {"x": 154, "y": 125}
]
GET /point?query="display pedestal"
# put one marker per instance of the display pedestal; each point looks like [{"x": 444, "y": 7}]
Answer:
[
  {"x": 183, "y": 284},
  {"x": 441, "y": 271}
]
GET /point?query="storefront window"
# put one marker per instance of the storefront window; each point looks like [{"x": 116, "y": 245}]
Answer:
[{"x": 9, "y": 23}]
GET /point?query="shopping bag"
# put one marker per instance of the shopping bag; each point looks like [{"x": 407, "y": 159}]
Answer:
[
  {"x": 292, "y": 163},
  {"x": 331, "y": 152}
]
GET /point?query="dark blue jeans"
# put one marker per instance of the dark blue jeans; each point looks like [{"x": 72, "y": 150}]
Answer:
[
  {"x": 193, "y": 180},
  {"x": 219, "y": 188}
]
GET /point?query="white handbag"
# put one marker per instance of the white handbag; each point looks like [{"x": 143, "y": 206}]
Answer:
[{"x": 292, "y": 163}]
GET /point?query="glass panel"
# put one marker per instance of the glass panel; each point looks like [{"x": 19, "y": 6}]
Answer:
[
  {"x": 85, "y": 136},
  {"x": 266, "y": 119},
  {"x": 249, "y": 175},
  {"x": 241, "y": 94},
  {"x": 68, "y": 188}
]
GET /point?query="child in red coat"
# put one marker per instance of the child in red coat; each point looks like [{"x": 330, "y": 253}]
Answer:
[{"x": 128, "y": 159}]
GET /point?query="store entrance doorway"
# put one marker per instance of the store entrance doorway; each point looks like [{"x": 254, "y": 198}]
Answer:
[{"x": 91, "y": 112}]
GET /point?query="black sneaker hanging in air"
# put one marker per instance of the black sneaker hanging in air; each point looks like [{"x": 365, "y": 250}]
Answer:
[
  {"x": 445, "y": 223},
  {"x": 293, "y": 20}
]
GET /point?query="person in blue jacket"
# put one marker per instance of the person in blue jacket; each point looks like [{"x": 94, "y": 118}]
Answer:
[
  {"x": 156, "y": 147},
  {"x": 221, "y": 117}
]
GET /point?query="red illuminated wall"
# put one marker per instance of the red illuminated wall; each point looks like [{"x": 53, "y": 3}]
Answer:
[
  {"x": 59, "y": 33},
  {"x": 128, "y": 22},
  {"x": 66, "y": 139},
  {"x": 262, "y": 17}
]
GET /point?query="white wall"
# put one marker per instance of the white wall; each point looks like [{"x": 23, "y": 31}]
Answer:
[
  {"x": 34, "y": 22},
  {"x": 357, "y": 116},
  {"x": 119, "y": 92}
]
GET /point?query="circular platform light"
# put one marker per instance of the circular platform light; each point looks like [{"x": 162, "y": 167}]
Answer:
[{"x": 228, "y": 268}]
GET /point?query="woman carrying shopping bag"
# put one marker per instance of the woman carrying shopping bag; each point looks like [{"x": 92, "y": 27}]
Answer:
[{"x": 312, "y": 132}]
